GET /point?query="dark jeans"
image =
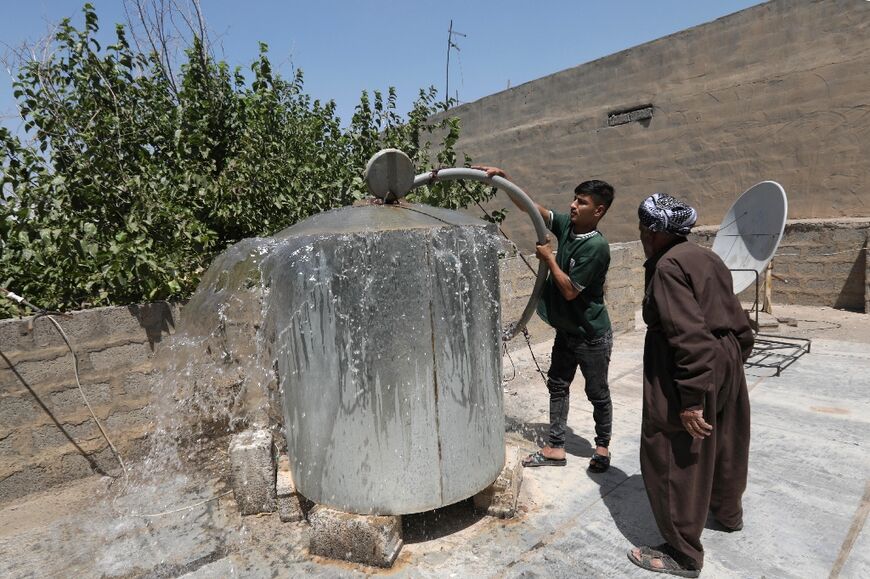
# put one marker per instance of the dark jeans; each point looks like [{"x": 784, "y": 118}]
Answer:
[{"x": 593, "y": 357}]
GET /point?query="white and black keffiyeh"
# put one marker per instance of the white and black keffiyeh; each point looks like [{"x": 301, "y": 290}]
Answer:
[{"x": 661, "y": 212}]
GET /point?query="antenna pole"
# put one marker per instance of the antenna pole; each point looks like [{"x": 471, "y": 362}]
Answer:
[
  {"x": 447, "y": 81},
  {"x": 450, "y": 34}
]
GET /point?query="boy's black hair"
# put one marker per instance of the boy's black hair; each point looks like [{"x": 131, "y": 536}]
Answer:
[{"x": 600, "y": 191}]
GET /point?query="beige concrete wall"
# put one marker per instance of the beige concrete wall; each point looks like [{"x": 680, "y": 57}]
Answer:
[
  {"x": 819, "y": 262},
  {"x": 623, "y": 290},
  {"x": 517, "y": 283},
  {"x": 777, "y": 91},
  {"x": 47, "y": 436},
  {"x": 867, "y": 276}
]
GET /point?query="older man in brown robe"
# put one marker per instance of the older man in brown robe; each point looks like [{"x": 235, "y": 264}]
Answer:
[{"x": 694, "y": 448}]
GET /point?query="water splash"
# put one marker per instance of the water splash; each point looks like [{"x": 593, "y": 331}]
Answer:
[{"x": 371, "y": 333}]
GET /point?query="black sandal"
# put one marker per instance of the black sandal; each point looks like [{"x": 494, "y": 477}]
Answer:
[
  {"x": 669, "y": 564},
  {"x": 599, "y": 463},
  {"x": 538, "y": 459}
]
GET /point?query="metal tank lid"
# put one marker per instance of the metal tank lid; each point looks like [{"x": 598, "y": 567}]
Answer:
[{"x": 389, "y": 176}]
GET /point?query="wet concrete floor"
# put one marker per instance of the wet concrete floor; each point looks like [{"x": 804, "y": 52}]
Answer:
[{"x": 805, "y": 508}]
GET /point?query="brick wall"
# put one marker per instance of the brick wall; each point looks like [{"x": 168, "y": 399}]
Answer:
[
  {"x": 47, "y": 436},
  {"x": 819, "y": 262},
  {"x": 867, "y": 277},
  {"x": 517, "y": 283},
  {"x": 623, "y": 291}
]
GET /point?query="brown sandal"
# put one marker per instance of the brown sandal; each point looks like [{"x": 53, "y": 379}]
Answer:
[{"x": 669, "y": 565}]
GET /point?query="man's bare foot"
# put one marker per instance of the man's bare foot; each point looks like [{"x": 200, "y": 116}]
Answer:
[
  {"x": 602, "y": 450},
  {"x": 546, "y": 456},
  {"x": 654, "y": 562},
  {"x": 554, "y": 453}
]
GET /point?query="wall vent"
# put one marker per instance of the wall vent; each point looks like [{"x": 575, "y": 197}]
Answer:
[{"x": 623, "y": 116}]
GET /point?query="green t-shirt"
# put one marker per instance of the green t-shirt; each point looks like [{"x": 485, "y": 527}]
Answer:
[{"x": 585, "y": 258}]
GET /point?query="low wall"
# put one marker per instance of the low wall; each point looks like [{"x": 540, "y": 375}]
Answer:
[
  {"x": 623, "y": 290},
  {"x": 819, "y": 262},
  {"x": 47, "y": 436},
  {"x": 517, "y": 283}
]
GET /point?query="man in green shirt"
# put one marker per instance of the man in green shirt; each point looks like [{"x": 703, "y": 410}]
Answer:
[{"x": 572, "y": 302}]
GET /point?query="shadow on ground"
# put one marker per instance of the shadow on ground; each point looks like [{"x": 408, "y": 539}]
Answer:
[
  {"x": 422, "y": 527},
  {"x": 625, "y": 498},
  {"x": 537, "y": 432}
]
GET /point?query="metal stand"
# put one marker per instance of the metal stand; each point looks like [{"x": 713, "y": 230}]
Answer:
[
  {"x": 779, "y": 353},
  {"x": 774, "y": 352}
]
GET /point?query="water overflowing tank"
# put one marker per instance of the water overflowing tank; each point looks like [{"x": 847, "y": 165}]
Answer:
[{"x": 388, "y": 340}]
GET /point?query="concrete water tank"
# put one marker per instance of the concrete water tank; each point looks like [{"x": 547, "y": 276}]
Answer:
[{"x": 388, "y": 338}]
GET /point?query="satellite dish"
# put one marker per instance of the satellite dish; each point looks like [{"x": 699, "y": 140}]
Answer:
[{"x": 751, "y": 232}]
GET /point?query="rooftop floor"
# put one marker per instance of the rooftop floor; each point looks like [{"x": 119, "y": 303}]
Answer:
[{"x": 805, "y": 507}]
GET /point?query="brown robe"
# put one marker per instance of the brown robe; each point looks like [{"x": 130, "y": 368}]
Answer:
[{"x": 698, "y": 337}]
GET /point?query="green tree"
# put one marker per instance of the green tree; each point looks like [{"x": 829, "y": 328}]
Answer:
[{"x": 133, "y": 180}]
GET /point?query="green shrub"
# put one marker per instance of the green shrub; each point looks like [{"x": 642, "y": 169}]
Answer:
[{"x": 130, "y": 183}]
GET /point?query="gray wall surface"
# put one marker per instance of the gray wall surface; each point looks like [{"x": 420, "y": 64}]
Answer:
[
  {"x": 777, "y": 91},
  {"x": 47, "y": 436}
]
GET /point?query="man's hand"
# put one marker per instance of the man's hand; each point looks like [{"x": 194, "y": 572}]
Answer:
[
  {"x": 694, "y": 423},
  {"x": 491, "y": 171},
  {"x": 496, "y": 172},
  {"x": 544, "y": 251}
]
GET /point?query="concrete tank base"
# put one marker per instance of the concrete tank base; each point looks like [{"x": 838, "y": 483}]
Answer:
[
  {"x": 368, "y": 539},
  {"x": 253, "y": 471},
  {"x": 500, "y": 498},
  {"x": 377, "y": 540}
]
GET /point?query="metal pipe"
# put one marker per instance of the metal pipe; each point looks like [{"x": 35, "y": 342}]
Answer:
[{"x": 519, "y": 197}]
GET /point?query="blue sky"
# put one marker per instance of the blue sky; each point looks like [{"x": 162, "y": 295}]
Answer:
[{"x": 347, "y": 46}]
